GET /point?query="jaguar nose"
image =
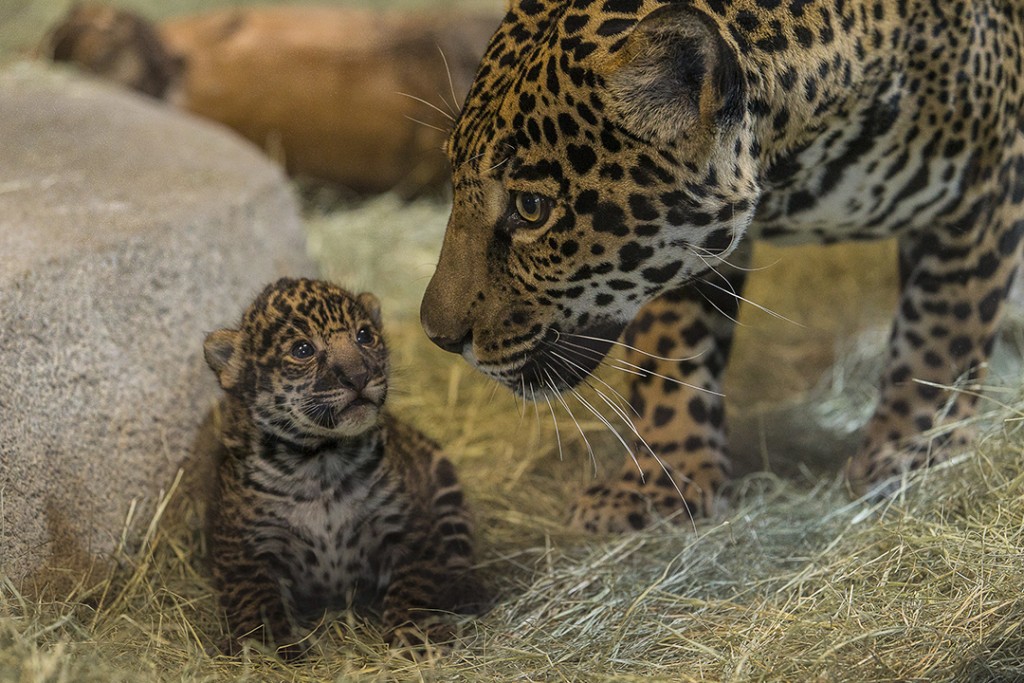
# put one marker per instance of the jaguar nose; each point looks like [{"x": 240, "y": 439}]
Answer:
[
  {"x": 451, "y": 344},
  {"x": 447, "y": 324}
]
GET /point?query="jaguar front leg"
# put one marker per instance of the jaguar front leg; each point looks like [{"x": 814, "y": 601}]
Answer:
[
  {"x": 954, "y": 284},
  {"x": 681, "y": 342}
]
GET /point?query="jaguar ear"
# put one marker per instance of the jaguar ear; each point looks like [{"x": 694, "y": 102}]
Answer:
[
  {"x": 676, "y": 76},
  {"x": 220, "y": 351},
  {"x": 371, "y": 305}
]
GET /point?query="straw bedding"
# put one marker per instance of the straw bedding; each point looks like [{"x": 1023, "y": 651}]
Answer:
[{"x": 793, "y": 583}]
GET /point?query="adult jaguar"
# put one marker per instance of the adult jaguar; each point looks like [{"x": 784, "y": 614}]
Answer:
[{"x": 613, "y": 154}]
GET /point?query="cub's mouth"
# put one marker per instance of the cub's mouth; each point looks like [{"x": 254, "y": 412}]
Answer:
[
  {"x": 562, "y": 360},
  {"x": 331, "y": 414}
]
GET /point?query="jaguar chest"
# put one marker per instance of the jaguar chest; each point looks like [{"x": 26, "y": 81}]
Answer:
[
  {"x": 869, "y": 175},
  {"x": 335, "y": 531}
]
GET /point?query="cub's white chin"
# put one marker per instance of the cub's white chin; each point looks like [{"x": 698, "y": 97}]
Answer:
[{"x": 354, "y": 420}]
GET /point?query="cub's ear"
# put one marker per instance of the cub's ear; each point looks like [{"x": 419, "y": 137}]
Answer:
[
  {"x": 371, "y": 304},
  {"x": 676, "y": 76},
  {"x": 220, "y": 351}
]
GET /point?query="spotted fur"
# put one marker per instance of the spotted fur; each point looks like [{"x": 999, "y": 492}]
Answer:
[
  {"x": 326, "y": 501},
  {"x": 614, "y": 159}
]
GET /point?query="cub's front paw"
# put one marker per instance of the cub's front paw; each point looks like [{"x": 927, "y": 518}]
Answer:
[
  {"x": 421, "y": 642},
  {"x": 234, "y": 647}
]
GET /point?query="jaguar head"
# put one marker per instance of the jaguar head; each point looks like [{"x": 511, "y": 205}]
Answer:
[{"x": 599, "y": 161}]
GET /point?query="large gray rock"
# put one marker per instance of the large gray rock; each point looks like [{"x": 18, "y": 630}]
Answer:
[{"x": 127, "y": 231}]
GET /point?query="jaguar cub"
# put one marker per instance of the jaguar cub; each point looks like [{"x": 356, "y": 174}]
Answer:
[{"x": 325, "y": 500}]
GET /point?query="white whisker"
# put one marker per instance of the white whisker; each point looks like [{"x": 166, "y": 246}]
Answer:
[
  {"x": 428, "y": 125},
  {"x": 554, "y": 420},
  {"x": 601, "y": 418},
  {"x": 522, "y": 411},
  {"x": 711, "y": 254},
  {"x": 436, "y": 108},
  {"x": 472, "y": 158},
  {"x": 661, "y": 463},
  {"x": 708, "y": 299},
  {"x": 633, "y": 369},
  {"x": 454, "y": 107},
  {"x": 629, "y": 347},
  {"x": 497, "y": 165},
  {"x": 579, "y": 367},
  {"x": 590, "y": 450},
  {"x": 607, "y": 423},
  {"x": 732, "y": 292},
  {"x": 632, "y": 427}
]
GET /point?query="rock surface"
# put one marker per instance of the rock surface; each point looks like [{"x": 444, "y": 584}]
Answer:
[{"x": 127, "y": 231}]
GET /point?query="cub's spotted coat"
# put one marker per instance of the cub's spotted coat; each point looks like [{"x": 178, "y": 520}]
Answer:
[
  {"x": 325, "y": 500},
  {"x": 615, "y": 157}
]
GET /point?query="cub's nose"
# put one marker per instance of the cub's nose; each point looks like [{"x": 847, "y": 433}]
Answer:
[{"x": 354, "y": 377}]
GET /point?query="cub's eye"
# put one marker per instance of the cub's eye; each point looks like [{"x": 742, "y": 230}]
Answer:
[
  {"x": 533, "y": 209},
  {"x": 302, "y": 350},
  {"x": 365, "y": 336}
]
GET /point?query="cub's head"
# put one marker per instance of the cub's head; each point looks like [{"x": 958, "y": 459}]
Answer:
[
  {"x": 308, "y": 361},
  {"x": 603, "y": 157}
]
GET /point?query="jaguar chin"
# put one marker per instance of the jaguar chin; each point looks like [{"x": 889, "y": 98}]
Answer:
[{"x": 561, "y": 360}]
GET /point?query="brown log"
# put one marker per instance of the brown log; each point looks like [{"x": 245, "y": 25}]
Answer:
[{"x": 336, "y": 94}]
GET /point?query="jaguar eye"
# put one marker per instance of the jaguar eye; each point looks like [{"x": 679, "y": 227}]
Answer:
[
  {"x": 532, "y": 208},
  {"x": 365, "y": 336},
  {"x": 302, "y": 350}
]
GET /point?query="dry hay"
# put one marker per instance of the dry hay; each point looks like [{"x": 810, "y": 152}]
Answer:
[{"x": 796, "y": 583}]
